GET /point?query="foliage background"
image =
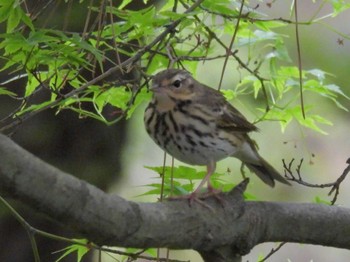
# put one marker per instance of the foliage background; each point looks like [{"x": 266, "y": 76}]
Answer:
[{"x": 70, "y": 144}]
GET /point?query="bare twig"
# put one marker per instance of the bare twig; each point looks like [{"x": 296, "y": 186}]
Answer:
[
  {"x": 335, "y": 186},
  {"x": 246, "y": 17},
  {"x": 28, "y": 228},
  {"x": 337, "y": 183},
  {"x": 273, "y": 251},
  {"x": 231, "y": 45},
  {"x": 299, "y": 58}
]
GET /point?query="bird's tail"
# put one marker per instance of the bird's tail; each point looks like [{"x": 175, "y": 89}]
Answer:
[{"x": 266, "y": 172}]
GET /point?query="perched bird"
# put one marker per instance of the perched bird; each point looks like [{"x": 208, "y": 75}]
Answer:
[{"x": 195, "y": 124}]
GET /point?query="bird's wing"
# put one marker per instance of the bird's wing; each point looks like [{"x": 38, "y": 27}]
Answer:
[
  {"x": 232, "y": 120},
  {"x": 226, "y": 116}
]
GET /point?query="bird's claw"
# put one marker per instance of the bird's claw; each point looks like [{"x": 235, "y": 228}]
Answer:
[{"x": 198, "y": 198}]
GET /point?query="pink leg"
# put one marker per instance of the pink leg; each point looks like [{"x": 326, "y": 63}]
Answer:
[
  {"x": 210, "y": 170},
  {"x": 193, "y": 197},
  {"x": 211, "y": 191}
]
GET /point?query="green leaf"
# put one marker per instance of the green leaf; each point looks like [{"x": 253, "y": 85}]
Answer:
[
  {"x": 279, "y": 51},
  {"x": 116, "y": 96},
  {"x": 124, "y": 3},
  {"x": 167, "y": 5},
  {"x": 268, "y": 25},
  {"x": 320, "y": 74},
  {"x": 27, "y": 21},
  {"x": 173, "y": 15},
  {"x": 181, "y": 190},
  {"x": 170, "y": 187},
  {"x": 221, "y": 6},
  {"x": 336, "y": 89},
  {"x": 286, "y": 115},
  {"x": 249, "y": 38},
  {"x": 257, "y": 86},
  {"x": 86, "y": 113},
  {"x": 249, "y": 197},
  {"x": 311, "y": 122},
  {"x": 12, "y": 43},
  {"x": 33, "y": 108},
  {"x": 32, "y": 84},
  {"x": 5, "y": 9},
  {"x": 289, "y": 71},
  {"x": 157, "y": 62},
  {"x": 81, "y": 250},
  {"x": 319, "y": 200},
  {"x": 141, "y": 97},
  {"x": 229, "y": 94},
  {"x": 339, "y": 6},
  {"x": 178, "y": 180},
  {"x": 181, "y": 172},
  {"x": 4, "y": 91},
  {"x": 331, "y": 91},
  {"x": 13, "y": 19}
]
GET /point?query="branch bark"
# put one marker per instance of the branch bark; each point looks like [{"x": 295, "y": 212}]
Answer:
[{"x": 224, "y": 232}]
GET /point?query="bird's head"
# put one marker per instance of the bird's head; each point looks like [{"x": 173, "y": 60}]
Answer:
[{"x": 173, "y": 85}]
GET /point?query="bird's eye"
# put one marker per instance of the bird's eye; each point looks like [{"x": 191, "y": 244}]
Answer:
[{"x": 177, "y": 83}]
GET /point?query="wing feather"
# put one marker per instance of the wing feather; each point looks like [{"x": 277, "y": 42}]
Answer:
[
  {"x": 227, "y": 116},
  {"x": 232, "y": 120}
]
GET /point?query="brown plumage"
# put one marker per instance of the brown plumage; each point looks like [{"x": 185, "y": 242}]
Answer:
[{"x": 195, "y": 124}]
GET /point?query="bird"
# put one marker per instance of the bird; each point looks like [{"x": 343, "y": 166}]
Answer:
[{"x": 196, "y": 125}]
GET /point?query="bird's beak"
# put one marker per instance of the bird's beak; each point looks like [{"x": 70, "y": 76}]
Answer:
[{"x": 155, "y": 88}]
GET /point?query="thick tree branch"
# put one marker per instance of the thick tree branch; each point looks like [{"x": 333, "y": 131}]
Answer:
[{"x": 110, "y": 220}]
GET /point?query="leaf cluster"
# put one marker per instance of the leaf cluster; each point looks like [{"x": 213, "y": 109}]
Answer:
[{"x": 53, "y": 60}]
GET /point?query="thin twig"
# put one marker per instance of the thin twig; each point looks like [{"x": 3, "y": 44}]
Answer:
[
  {"x": 32, "y": 231},
  {"x": 114, "y": 38},
  {"x": 231, "y": 45},
  {"x": 170, "y": 28},
  {"x": 337, "y": 183},
  {"x": 234, "y": 55},
  {"x": 273, "y": 251},
  {"x": 28, "y": 228},
  {"x": 299, "y": 58},
  {"x": 335, "y": 186}
]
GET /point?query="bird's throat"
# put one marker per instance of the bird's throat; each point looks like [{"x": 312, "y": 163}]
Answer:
[{"x": 164, "y": 103}]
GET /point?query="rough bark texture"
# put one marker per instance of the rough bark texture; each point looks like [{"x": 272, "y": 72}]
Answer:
[{"x": 223, "y": 232}]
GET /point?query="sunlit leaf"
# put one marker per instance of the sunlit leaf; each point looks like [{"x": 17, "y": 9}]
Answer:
[
  {"x": 124, "y": 3},
  {"x": 336, "y": 89},
  {"x": 34, "y": 107},
  {"x": 185, "y": 172},
  {"x": 5, "y": 9},
  {"x": 116, "y": 96},
  {"x": 80, "y": 249},
  {"x": 13, "y": 19},
  {"x": 320, "y": 74},
  {"x": 228, "y": 94},
  {"x": 32, "y": 84},
  {"x": 4, "y": 91},
  {"x": 319, "y": 200},
  {"x": 141, "y": 97},
  {"x": 339, "y": 6}
]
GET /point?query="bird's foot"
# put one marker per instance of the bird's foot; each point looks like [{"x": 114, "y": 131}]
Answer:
[
  {"x": 196, "y": 197},
  {"x": 191, "y": 198},
  {"x": 216, "y": 193}
]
